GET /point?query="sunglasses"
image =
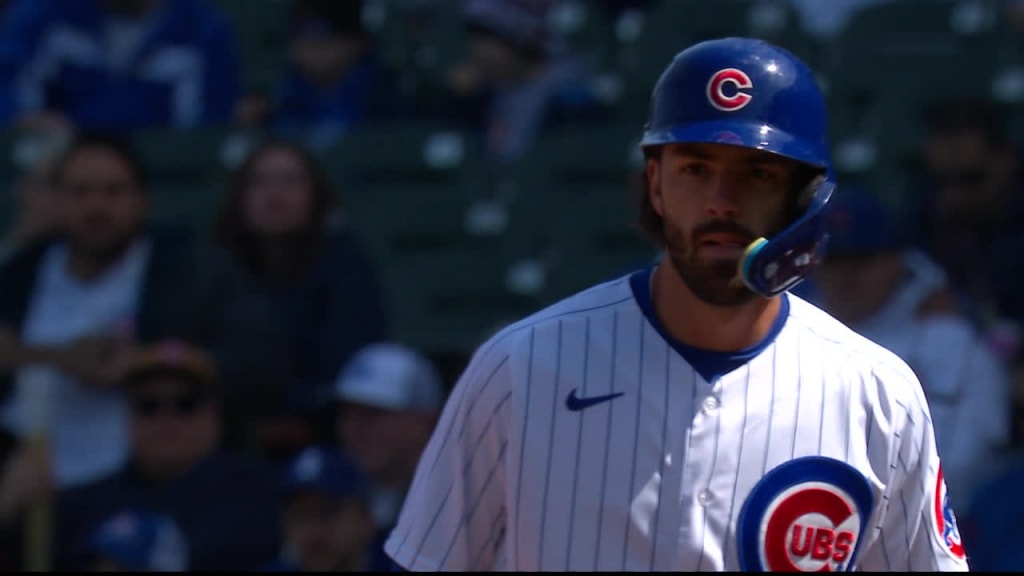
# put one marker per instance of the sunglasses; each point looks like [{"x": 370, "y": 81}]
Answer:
[{"x": 179, "y": 406}]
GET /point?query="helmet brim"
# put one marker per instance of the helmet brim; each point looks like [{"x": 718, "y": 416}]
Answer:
[{"x": 759, "y": 136}]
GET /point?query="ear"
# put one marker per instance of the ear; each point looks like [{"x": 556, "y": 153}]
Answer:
[{"x": 653, "y": 181}]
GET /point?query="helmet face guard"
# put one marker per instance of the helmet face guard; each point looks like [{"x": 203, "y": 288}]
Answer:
[
  {"x": 771, "y": 267},
  {"x": 749, "y": 93}
]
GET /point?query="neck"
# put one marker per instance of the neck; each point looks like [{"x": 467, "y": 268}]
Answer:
[
  {"x": 278, "y": 256},
  {"x": 87, "y": 265},
  {"x": 695, "y": 323}
]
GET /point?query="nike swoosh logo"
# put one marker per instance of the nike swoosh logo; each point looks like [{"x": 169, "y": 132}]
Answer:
[{"x": 575, "y": 403}]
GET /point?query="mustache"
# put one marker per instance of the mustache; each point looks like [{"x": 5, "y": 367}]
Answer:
[{"x": 723, "y": 227}]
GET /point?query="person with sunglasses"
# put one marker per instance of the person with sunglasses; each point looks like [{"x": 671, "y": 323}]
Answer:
[{"x": 225, "y": 503}]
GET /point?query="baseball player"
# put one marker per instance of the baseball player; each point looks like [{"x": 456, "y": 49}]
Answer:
[{"x": 694, "y": 416}]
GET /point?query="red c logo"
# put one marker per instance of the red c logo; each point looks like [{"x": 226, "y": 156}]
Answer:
[
  {"x": 808, "y": 531},
  {"x": 739, "y": 81}
]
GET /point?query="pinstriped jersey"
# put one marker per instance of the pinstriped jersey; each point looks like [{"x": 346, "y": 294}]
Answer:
[{"x": 583, "y": 438}]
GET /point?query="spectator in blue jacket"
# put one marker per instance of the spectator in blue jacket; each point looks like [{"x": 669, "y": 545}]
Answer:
[
  {"x": 225, "y": 503},
  {"x": 327, "y": 526},
  {"x": 116, "y": 65},
  {"x": 334, "y": 80}
]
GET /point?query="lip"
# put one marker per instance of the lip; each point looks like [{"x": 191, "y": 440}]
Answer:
[{"x": 724, "y": 240}]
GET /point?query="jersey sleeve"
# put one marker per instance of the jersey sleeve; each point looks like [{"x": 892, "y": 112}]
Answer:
[
  {"x": 453, "y": 518},
  {"x": 917, "y": 529}
]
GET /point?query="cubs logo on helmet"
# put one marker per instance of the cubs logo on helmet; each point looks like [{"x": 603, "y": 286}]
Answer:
[
  {"x": 807, "y": 515},
  {"x": 945, "y": 520},
  {"x": 725, "y": 89}
]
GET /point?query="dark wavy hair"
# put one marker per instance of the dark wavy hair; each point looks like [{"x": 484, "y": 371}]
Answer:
[{"x": 234, "y": 234}]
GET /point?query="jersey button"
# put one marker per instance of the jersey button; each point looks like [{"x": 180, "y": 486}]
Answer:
[
  {"x": 711, "y": 404},
  {"x": 703, "y": 497}
]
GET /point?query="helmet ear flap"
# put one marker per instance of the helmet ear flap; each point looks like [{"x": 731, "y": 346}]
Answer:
[
  {"x": 806, "y": 194},
  {"x": 770, "y": 267}
]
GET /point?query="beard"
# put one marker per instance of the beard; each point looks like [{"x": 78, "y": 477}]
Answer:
[{"x": 713, "y": 281}]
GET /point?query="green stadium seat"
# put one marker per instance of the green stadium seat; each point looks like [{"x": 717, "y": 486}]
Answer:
[
  {"x": 576, "y": 200},
  {"x": 451, "y": 300},
  {"x": 175, "y": 156},
  {"x": 192, "y": 206},
  {"x": 910, "y": 48}
]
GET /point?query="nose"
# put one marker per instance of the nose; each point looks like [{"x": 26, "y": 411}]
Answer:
[{"x": 722, "y": 201}]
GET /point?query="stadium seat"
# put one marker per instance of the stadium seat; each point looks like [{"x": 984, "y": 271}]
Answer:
[
  {"x": 174, "y": 156},
  {"x": 576, "y": 200},
  {"x": 908, "y": 48},
  {"x": 675, "y": 24},
  {"x": 192, "y": 206},
  {"x": 450, "y": 300}
]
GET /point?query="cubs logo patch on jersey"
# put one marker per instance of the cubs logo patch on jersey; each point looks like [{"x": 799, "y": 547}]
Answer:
[
  {"x": 945, "y": 520},
  {"x": 806, "y": 515}
]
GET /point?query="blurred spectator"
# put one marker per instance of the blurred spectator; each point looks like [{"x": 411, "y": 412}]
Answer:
[
  {"x": 74, "y": 304},
  {"x": 323, "y": 289},
  {"x": 514, "y": 82},
  {"x": 224, "y": 503},
  {"x": 34, "y": 198},
  {"x": 617, "y": 8},
  {"x": 971, "y": 206},
  {"x": 116, "y": 64},
  {"x": 389, "y": 398},
  {"x": 132, "y": 541},
  {"x": 992, "y": 529},
  {"x": 326, "y": 516},
  {"x": 826, "y": 19},
  {"x": 896, "y": 296},
  {"x": 334, "y": 80}
]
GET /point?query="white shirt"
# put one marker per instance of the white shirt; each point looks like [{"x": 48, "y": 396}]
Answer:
[
  {"x": 815, "y": 447},
  {"x": 89, "y": 436}
]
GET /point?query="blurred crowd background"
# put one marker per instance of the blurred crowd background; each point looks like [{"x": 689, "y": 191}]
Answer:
[{"x": 250, "y": 244}]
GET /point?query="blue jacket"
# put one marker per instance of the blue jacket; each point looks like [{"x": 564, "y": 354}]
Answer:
[
  {"x": 186, "y": 71},
  {"x": 227, "y": 507},
  {"x": 319, "y": 115}
]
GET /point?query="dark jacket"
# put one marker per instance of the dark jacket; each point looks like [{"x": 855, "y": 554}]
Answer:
[
  {"x": 191, "y": 291},
  {"x": 227, "y": 508},
  {"x": 329, "y": 313}
]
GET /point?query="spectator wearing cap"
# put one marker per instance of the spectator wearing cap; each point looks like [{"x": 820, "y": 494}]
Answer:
[
  {"x": 333, "y": 82},
  {"x": 326, "y": 515},
  {"x": 134, "y": 541},
  {"x": 224, "y": 503},
  {"x": 515, "y": 80},
  {"x": 389, "y": 398},
  {"x": 874, "y": 282}
]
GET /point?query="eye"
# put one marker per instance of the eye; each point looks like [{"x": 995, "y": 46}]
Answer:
[
  {"x": 694, "y": 168},
  {"x": 760, "y": 173}
]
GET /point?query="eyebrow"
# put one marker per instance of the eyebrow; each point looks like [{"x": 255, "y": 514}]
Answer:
[{"x": 753, "y": 158}]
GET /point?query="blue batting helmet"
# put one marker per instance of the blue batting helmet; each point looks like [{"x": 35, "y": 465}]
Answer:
[{"x": 747, "y": 92}]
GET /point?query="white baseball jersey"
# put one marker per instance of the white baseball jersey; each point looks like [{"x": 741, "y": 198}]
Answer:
[{"x": 581, "y": 438}]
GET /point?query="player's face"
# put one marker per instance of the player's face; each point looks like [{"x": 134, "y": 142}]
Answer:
[{"x": 715, "y": 200}]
